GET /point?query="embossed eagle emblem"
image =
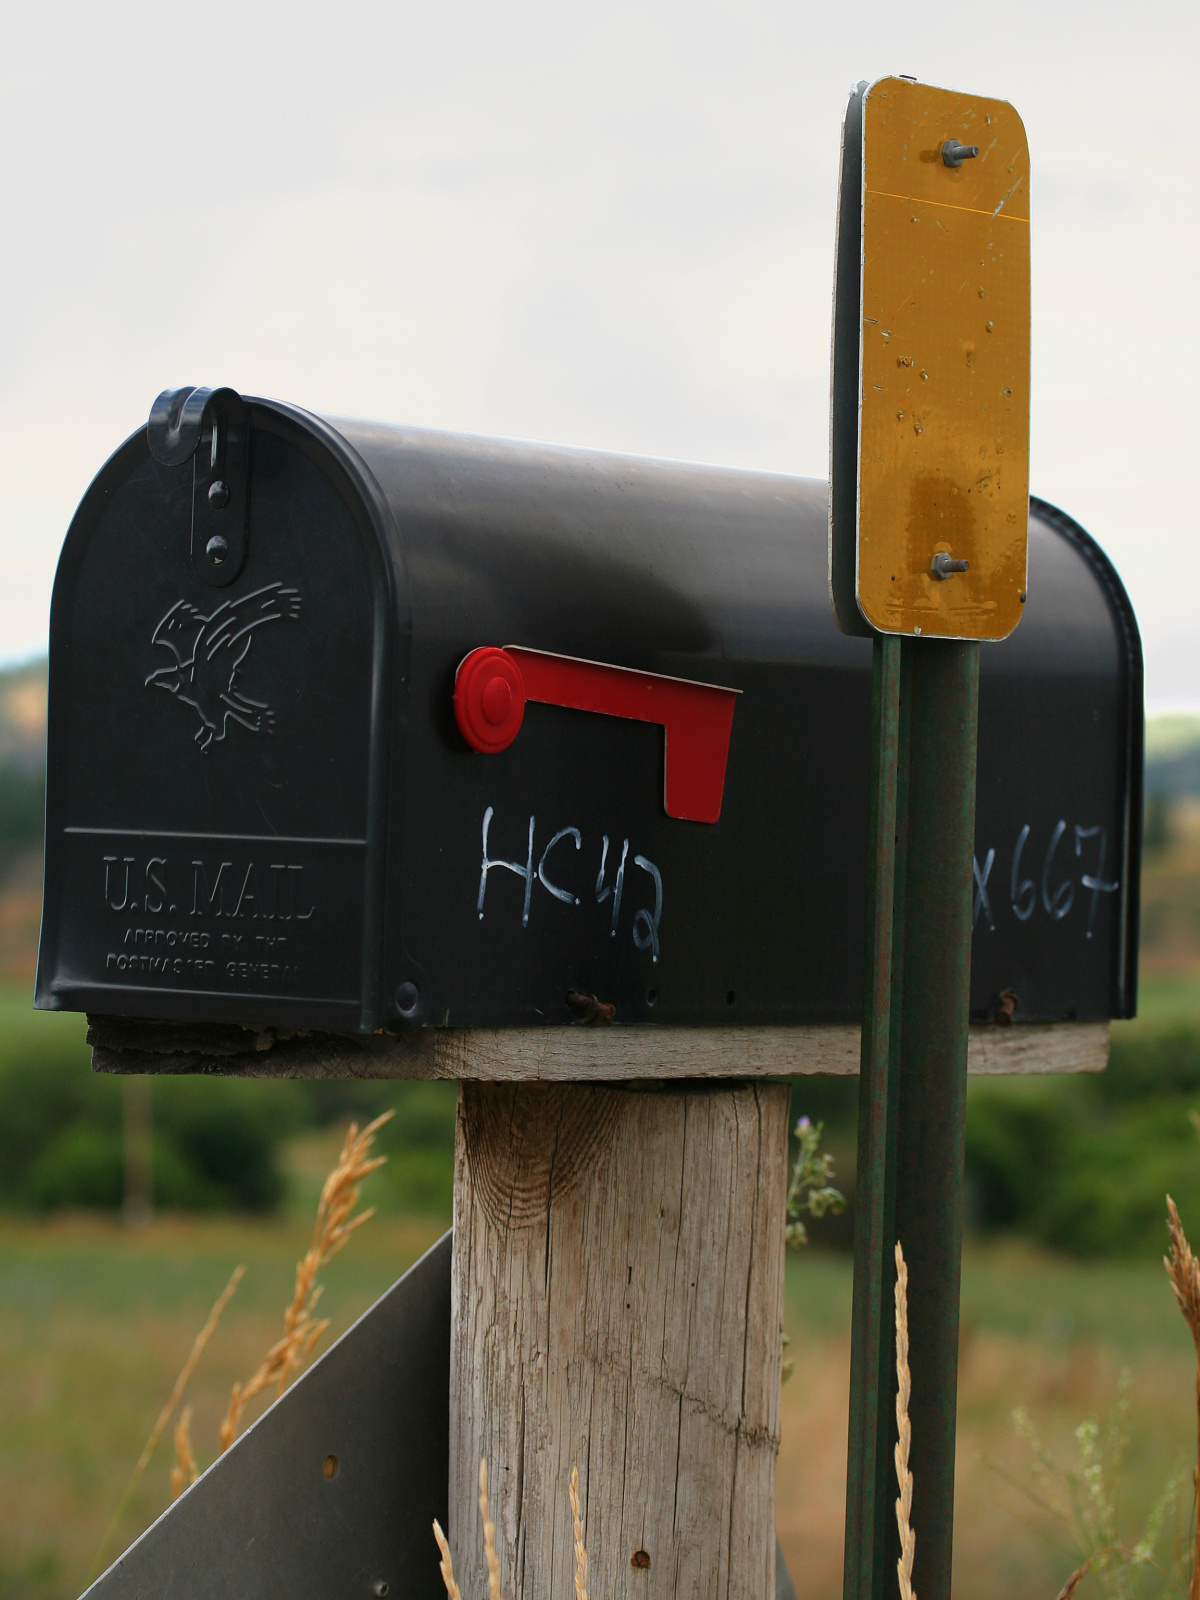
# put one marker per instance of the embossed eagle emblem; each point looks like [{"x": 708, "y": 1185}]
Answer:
[{"x": 210, "y": 656}]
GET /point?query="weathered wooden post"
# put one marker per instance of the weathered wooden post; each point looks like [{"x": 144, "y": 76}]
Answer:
[
  {"x": 618, "y": 1305},
  {"x": 309, "y": 815}
]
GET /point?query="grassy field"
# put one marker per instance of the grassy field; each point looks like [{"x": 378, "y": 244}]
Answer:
[
  {"x": 1053, "y": 1336},
  {"x": 96, "y": 1319},
  {"x": 1050, "y": 1336}
]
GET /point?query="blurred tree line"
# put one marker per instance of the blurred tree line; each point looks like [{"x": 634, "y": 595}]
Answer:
[
  {"x": 215, "y": 1144},
  {"x": 22, "y": 806},
  {"x": 22, "y": 761},
  {"x": 1079, "y": 1164}
]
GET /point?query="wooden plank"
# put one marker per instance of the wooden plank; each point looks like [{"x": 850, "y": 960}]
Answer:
[
  {"x": 617, "y": 1306},
  {"x": 1032, "y": 1048},
  {"x": 571, "y": 1054}
]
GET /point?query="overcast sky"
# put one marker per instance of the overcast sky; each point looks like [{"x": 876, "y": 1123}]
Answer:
[{"x": 608, "y": 225}]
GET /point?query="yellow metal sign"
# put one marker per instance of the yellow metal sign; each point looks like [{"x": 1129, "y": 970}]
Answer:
[{"x": 943, "y": 442}]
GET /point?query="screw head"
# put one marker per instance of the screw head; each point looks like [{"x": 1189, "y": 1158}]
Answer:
[
  {"x": 218, "y": 494},
  {"x": 216, "y": 549},
  {"x": 407, "y": 999}
]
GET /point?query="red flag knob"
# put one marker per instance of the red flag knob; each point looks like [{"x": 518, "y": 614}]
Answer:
[
  {"x": 492, "y": 686},
  {"x": 489, "y": 699}
]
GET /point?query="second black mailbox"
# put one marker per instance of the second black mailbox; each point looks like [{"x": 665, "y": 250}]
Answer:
[{"x": 354, "y": 726}]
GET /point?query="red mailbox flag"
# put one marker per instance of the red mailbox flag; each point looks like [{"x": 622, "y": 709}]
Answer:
[{"x": 492, "y": 686}]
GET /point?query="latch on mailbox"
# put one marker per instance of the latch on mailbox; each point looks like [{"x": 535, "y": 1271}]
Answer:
[{"x": 211, "y": 426}]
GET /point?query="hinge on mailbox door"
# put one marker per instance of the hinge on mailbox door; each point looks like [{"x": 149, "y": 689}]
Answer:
[{"x": 212, "y": 428}]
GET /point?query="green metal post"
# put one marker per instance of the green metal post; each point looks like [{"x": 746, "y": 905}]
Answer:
[
  {"x": 931, "y": 1122},
  {"x": 912, "y": 1103},
  {"x": 870, "y": 1332}
]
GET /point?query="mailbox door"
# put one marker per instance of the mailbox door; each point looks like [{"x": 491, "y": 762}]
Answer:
[{"x": 217, "y": 764}]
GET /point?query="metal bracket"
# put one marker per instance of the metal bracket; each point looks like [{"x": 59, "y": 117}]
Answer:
[
  {"x": 333, "y": 1491},
  {"x": 212, "y": 428}
]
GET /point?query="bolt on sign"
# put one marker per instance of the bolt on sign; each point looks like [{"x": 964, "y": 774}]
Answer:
[{"x": 930, "y": 483}]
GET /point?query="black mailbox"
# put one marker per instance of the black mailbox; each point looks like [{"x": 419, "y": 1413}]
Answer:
[{"x": 274, "y": 797}]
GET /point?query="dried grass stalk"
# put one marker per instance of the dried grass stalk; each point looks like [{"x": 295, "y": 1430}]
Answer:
[
  {"x": 908, "y": 1539},
  {"x": 331, "y": 1232},
  {"x": 1184, "y": 1272},
  {"x": 173, "y": 1399},
  {"x": 183, "y": 1472},
  {"x": 581, "y": 1557},
  {"x": 489, "y": 1535},
  {"x": 1076, "y": 1578},
  {"x": 446, "y": 1565}
]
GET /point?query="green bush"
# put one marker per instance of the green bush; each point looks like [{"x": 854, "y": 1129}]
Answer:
[
  {"x": 1084, "y": 1164},
  {"x": 328, "y": 1100},
  {"x": 419, "y": 1145},
  {"x": 1150, "y": 1060},
  {"x": 22, "y": 810},
  {"x": 78, "y": 1166},
  {"x": 1109, "y": 1193},
  {"x": 1016, "y": 1132},
  {"x": 46, "y": 1087},
  {"x": 216, "y": 1142},
  {"x": 226, "y": 1135}
]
